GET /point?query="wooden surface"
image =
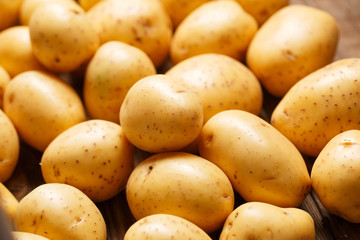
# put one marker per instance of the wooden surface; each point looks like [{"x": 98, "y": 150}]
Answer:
[{"x": 116, "y": 212}]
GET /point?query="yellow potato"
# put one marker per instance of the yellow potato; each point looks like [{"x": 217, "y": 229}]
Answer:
[
  {"x": 61, "y": 36},
  {"x": 160, "y": 113},
  {"x": 93, "y": 156},
  {"x": 29, "y": 6},
  {"x": 164, "y": 227},
  {"x": 335, "y": 175},
  {"x": 59, "y": 211},
  {"x": 9, "y": 147},
  {"x": 16, "y": 51},
  {"x": 261, "y": 10},
  {"x": 4, "y": 80},
  {"x": 8, "y": 203},
  {"x": 221, "y": 82},
  {"x": 115, "y": 67},
  {"x": 261, "y": 163},
  {"x": 256, "y": 220},
  {"x": 294, "y": 42},
  {"x": 179, "y": 9},
  {"x": 41, "y": 106},
  {"x": 214, "y": 27},
  {"x": 181, "y": 184},
  {"x": 144, "y": 24},
  {"x": 26, "y": 236},
  {"x": 9, "y": 13},
  {"x": 320, "y": 106}
]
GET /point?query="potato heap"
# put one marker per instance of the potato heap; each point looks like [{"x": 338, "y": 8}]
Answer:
[{"x": 88, "y": 84}]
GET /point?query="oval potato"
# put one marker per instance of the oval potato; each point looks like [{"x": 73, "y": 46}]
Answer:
[
  {"x": 261, "y": 163},
  {"x": 181, "y": 184},
  {"x": 335, "y": 175},
  {"x": 59, "y": 211},
  {"x": 164, "y": 227},
  {"x": 54, "y": 107},
  {"x": 320, "y": 106},
  {"x": 93, "y": 156},
  {"x": 294, "y": 42},
  {"x": 257, "y": 220}
]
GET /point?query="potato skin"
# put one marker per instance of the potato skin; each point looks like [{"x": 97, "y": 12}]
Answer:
[
  {"x": 214, "y": 27},
  {"x": 4, "y": 80},
  {"x": 181, "y": 184},
  {"x": 320, "y": 106},
  {"x": 160, "y": 114},
  {"x": 222, "y": 83},
  {"x": 60, "y": 211},
  {"x": 257, "y": 220},
  {"x": 9, "y": 147},
  {"x": 26, "y": 236},
  {"x": 293, "y": 42},
  {"x": 93, "y": 156},
  {"x": 114, "y": 68},
  {"x": 54, "y": 107},
  {"x": 164, "y": 227},
  {"x": 261, "y": 163},
  {"x": 335, "y": 175}
]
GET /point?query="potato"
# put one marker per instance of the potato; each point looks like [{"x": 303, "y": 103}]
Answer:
[
  {"x": 293, "y": 43},
  {"x": 261, "y": 10},
  {"x": 221, "y": 82},
  {"x": 59, "y": 211},
  {"x": 181, "y": 184},
  {"x": 261, "y": 163},
  {"x": 29, "y": 6},
  {"x": 144, "y": 24},
  {"x": 93, "y": 156},
  {"x": 4, "y": 80},
  {"x": 16, "y": 51},
  {"x": 214, "y": 27},
  {"x": 62, "y": 37},
  {"x": 257, "y": 220},
  {"x": 179, "y": 9},
  {"x": 9, "y": 147},
  {"x": 41, "y": 106},
  {"x": 160, "y": 113},
  {"x": 9, "y": 13},
  {"x": 115, "y": 67},
  {"x": 335, "y": 175},
  {"x": 164, "y": 227},
  {"x": 320, "y": 106},
  {"x": 26, "y": 236},
  {"x": 8, "y": 204}
]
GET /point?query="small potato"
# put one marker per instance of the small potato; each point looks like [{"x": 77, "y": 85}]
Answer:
[
  {"x": 16, "y": 51},
  {"x": 9, "y": 13},
  {"x": 144, "y": 24},
  {"x": 93, "y": 156},
  {"x": 181, "y": 184},
  {"x": 179, "y": 9},
  {"x": 4, "y": 80},
  {"x": 261, "y": 10},
  {"x": 261, "y": 163},
  {"x": 115, "y": 67},
  {"x": 27, "y": 236},
  {"x": 164, "y": 227},
  {"x": 335, "y": 175},
  {"x": 9, "y": 147},
  {"x": 221, "y": 82},
  {"x": 62, "y": 37},
  {"x": 59, "y": 211},
  {"x": 8, "y": 203},
  {"x": 293, "y": 43},
  {"x": 214, "y": 27},
  {"x": 256, "y": 220},
  {"x": 41, "y": 106},
  {"x": 160, "y": 113},
  {"x": 320, "y": 106}
]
